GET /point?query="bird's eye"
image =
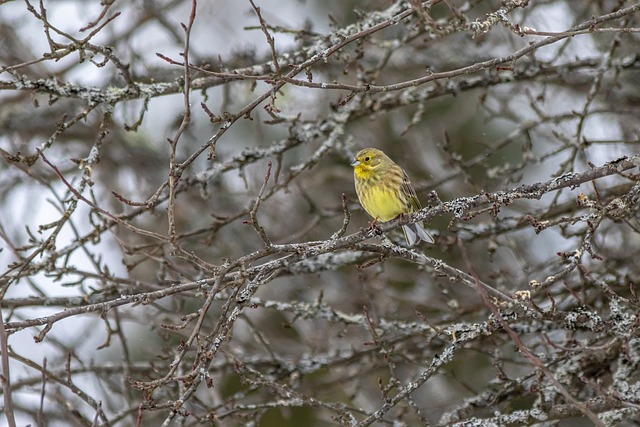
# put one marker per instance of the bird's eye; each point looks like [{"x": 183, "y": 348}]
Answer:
[{"x": 366, "y": 159}]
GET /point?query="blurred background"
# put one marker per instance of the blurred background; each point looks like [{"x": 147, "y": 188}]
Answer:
[{"x": 130, "y": 234}]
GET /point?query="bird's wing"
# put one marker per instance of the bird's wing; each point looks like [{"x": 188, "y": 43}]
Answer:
[{"x": 407, "y": 189}]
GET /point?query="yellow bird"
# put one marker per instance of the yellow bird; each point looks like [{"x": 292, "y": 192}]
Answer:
[{"x": 385, "y": 192}]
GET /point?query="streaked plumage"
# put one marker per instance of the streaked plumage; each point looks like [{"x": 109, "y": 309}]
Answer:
[{"x": 384, "y": 191}]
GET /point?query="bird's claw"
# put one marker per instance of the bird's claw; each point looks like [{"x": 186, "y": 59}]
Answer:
[{"x": 373, "y": 225}]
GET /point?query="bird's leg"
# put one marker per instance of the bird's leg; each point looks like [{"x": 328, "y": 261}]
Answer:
[
  {"x": 403, "y": 216},
  {"x": 373, "y": 225}
]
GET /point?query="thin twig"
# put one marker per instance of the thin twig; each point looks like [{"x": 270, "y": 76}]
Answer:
[
  {"x": 6, "y": 374},
  {"x": 345, "y": 219},
  {"x": 254, "y": 210}
]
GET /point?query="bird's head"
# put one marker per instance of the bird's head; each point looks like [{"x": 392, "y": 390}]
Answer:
[{"x": 368, "y": 160}]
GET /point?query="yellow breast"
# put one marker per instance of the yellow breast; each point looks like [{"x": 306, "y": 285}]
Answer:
[{"x": 382, "y": 204}]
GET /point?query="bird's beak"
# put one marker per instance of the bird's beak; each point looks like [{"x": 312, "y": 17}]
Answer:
[{"x": 355, "y": 162}]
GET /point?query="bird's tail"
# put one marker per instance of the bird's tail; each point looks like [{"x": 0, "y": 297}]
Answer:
[{"x": 413, "y": 233}]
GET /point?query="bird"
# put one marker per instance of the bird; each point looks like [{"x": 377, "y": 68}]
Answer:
[{"x": 385, "y": 192}]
